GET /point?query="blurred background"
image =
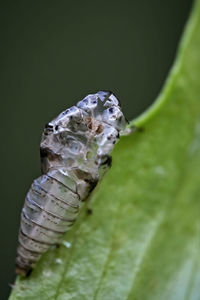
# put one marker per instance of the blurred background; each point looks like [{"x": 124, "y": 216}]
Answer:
[{"x": 52, "y": 54}]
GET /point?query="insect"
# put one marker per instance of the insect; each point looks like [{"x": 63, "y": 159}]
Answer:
[{"x": 75, "y": 154}]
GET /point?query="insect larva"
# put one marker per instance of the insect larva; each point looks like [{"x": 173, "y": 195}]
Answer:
[{"x": 74, "y": 150}]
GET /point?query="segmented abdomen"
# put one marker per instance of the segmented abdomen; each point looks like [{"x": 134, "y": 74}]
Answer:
[{"x": 50, "y": 209}]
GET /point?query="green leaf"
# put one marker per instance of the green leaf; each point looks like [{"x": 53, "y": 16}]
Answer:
[{"x": 143, "y": 239}]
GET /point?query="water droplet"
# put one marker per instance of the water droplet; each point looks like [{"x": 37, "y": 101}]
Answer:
[
  {"x": 66, "y": 244},
  {"x": 58, "y": 261},
  {"x": 46, "y": 273}
]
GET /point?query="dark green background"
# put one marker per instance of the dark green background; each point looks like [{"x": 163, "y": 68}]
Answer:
[{"x": 53, "y": 53}]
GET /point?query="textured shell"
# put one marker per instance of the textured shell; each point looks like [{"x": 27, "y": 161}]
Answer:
[{"x": 75, "y": 150}]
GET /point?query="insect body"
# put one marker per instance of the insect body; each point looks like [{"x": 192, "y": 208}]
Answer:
[{"x": 75, "y": 150}]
